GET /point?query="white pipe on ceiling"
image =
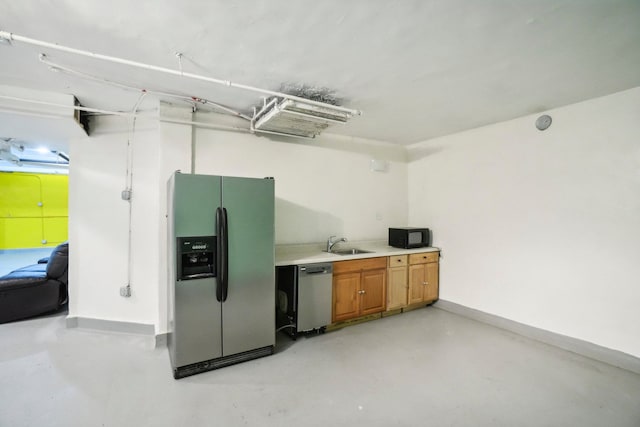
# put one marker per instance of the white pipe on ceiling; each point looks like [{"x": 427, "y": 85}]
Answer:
[
  {"x": 56, "y": 66},
  {"x": 14, "y": 37},
  {"x": 71, "y": 107},
  {"x": 30, "y": 113},
  {"x": 114, "y": 113},
  {"x": 205, "y": 125}
]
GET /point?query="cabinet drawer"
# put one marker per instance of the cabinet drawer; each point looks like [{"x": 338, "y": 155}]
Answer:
[
  {"x": 359, "y": 264},
  {"x": 424, "y": 257},
  {"x": 397, "y": 261}
]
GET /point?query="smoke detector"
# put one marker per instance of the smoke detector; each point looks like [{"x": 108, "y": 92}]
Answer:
[{"x": 543, "y": 122}]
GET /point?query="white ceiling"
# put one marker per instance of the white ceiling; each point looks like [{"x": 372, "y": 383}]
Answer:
[{"x": 418, "y": 69}]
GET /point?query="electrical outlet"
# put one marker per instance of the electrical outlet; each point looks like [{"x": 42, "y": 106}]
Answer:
[{"x": 125, "y": 291}]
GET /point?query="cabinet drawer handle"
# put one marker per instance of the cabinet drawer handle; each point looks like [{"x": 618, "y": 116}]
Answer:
[{"x": 425, "y": 283}]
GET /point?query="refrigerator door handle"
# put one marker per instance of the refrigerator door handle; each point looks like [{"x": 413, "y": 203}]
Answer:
[
  {"x": 219, "y": 254},
  {"x": 224, "y": 264},
  {"x": 222, "y": 259},
  {"x": 225, "y": 283}
]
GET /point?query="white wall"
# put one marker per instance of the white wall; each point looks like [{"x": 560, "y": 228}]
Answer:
[
  {"x": 541, "y": 227},
  {"x": 99, "y": 224},
  {"x": 323, "y": 187}
]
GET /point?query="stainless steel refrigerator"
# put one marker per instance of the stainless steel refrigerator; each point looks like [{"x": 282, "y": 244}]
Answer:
[{"x": 221, "y": 271}]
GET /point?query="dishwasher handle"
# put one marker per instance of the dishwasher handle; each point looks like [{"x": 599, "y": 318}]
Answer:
[{"x": 316, "y": 269}]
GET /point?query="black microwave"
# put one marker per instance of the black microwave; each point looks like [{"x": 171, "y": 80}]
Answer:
[{"x": 409, "y": 237}]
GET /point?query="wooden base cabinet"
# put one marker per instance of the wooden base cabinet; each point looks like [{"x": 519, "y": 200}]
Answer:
[
  {"x": 423, "y": 277},
  {"x": 373, "y": 296},
  {"x": 346, "y": 296},
  {"x": 397, "y": 284},
  {"x": 359, "y": 287}
]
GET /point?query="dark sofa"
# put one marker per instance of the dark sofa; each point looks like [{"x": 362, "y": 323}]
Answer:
[{"x": 35, "y": 289}]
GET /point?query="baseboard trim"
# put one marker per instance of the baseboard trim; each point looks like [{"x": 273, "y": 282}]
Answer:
[
  {"x": 161, "y": 340},
  {"x": 111, "y": 326},
  {"x": 574, "y": 345}
]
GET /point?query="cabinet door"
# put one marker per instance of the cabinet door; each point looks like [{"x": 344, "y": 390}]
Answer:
[
  {"x": 373, "y": 291},
  {"x": 417, "y": 280},
  {"x": 346, "y": 298},
  {"x": 431, "y": 288},
  {"x": 397, "y": 287}
]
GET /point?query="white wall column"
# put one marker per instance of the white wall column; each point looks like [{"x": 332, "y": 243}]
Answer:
[
  {"x": 101, "y": 258},
  {"x": 175, "y": 154}
]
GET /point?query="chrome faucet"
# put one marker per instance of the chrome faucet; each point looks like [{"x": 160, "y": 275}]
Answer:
[{"x": 331, "y": 243}]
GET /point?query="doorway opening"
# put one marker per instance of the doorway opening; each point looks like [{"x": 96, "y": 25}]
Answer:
[{"x": 34, "y": 188}]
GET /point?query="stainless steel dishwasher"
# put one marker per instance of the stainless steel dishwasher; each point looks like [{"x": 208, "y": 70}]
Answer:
[{"x": 314, "y": 296}]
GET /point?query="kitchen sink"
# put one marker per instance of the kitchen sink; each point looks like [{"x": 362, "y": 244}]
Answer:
[{"x": 353, "y": 251}]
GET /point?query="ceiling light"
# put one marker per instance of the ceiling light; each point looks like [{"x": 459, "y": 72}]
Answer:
[
  {"x": 296, "y": 118},
  {"x": 43, "y": 150},
  {"x": 6, "y": 152}
]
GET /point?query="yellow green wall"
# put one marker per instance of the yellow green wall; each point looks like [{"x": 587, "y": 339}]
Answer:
[{"x": 33, "y": 210}]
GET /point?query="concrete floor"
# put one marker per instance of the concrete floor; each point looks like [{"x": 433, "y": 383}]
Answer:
[{"x": 426, "y": 367}]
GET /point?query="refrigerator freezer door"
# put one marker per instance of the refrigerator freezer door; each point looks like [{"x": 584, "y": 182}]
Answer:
[
  {"x": 195, "y": 200},
  {"x": 195, "y": 330},
  {"x": 249, "y": 311}
]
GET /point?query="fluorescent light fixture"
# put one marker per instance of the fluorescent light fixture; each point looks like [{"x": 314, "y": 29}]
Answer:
[
  {"x": 43, "y": 150},
  {"x": 295, "y": 118}
]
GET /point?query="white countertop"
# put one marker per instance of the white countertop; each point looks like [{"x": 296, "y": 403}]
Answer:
[{"x": 311, "y": 253}]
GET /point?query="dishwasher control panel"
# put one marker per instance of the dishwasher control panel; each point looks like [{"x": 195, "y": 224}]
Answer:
[{"x": 324, "y": 268}]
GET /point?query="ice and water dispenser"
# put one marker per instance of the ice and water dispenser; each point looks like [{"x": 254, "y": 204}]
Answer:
[{"x": 196, "y": 257}]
